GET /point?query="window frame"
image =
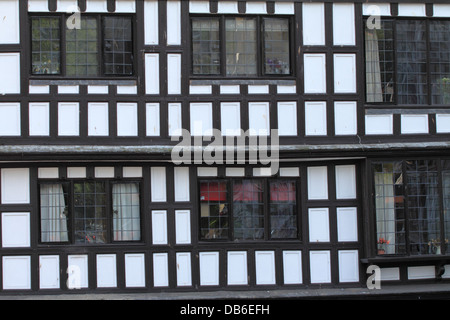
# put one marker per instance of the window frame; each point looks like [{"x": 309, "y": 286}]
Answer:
[
  {"x": 100, "y": 47},
  {"x": 266, "y": 181},
  {"x": 109, "y": 211},
  {"x": 260, "y": 52}
]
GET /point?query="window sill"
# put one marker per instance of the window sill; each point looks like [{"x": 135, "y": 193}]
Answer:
[
  {"x": 436, "y": 259},
  {"x": 281, "y": 82},
  {"x": 81, "y": 82}
]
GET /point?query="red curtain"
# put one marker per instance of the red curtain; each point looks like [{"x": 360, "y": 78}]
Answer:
[
  {"x": 213, "y": 191},
  {"x": 282, "y": 191}
]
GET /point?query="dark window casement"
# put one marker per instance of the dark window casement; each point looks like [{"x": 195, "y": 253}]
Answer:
[
  {"x": 408, "y": 62},
  {"x": 412, "y": 206},
  {"x": 248, "y": 209},
  {"x": 241, "y": 46},
  {"x": 98, "y": 46},
  {"x": 89, "y": 212}
]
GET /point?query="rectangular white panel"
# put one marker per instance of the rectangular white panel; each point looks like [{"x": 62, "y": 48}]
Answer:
[
  {"x": 317, "y": 183},
  {"x": 10, "y": 119},
  {"x": 258, "y": 89},
  {"x": 48, "y": 173},
  {"x": 230, "y": 89},
  {"x": 98, "y": 119},
  {"x": 344, "y": 24},
  {"x": 78, "y": 272},
  {"x": 104, "y": 172},
  {"x": 292, "y": 267},
  {"x": 284, "y": 8},
  {"x": 125, "y": 6},
  {"x": 184, "y": 273},
  {"x": 258, "y": 7},
  {"x": 347, "y": 224},
  {"x": 39, "y": 118},
  {"x": 151, "y": 25},
  {"x": 183, "y": 226},
  {"x": 181, "y": 184},
  {"x": 152, "y": 73},
  {"x": 175, "y": 119},
  {"x": 319, "y": 225},
  {"x": 9, "y": 22},
  {"x": 76, "y": 172},
  {"x": 68, "y": 119},
  {"x": 348, "y": 266},
  {"x": 49, "y": 276},
  {"x": 237, "y": 268},
  {"x": 135, "y": 270},
  {"x": 379, "y": 124},
  {"x": 390, "y": 274},
  {"x": 39, "y": 89},
  {"x": 414, "y": 123},
  {"x": 96, "y": 6},
  {"x": 15, "y": 186},
  {"x": 200, "y": 89},
  {"x": 346, "y": 182},
  {"x": 411, "y": 10},
  {"x": 199, "y": 6},
  {"x": 287, "y": 118},
  {"x": 313, "y": 24},
  {"x": 201, "y": 119},
  {"x": 315, "y": 73},
  {"x": 226, "y": 6},
  {"x": 106, "y": 271},
  {"x": 209, "y": 268},
  {"x": 315, "y": 118},
  {"x": 289, "y": 172},
  {"x": 16, "y": 272},
  {"x": 259, "y": 118},
  {"x": 158, "y": 181},
  {"x": 442, "y": 123},
  {"x": 377, "y": 9},
  {"x": 127, "y": 122},
  {"x": 344, "y": 73},
  {"x": 159, "y": 227},
  {"x": 422, "y": 272},
  {"x": 160, "y": 270},
  {"x": 94, "y": 89},
  {"x": 320, "y": 266},
  {"x": 132, "y": 172},
  {"x": 345, "y": 118},
  {"x": 230, "y": 115},
  {"x": 265, "y": 267},
  {"x": 441, "y": 10},
  {"x": 66, "y": 5},
  {"x": 173, "y": 22},
  {"x": 66, "y": 89},
  {"x": 152, "y": 121},
  {"x": 174, "y": 73},
  {"x": 15, "y": 229},
  {"x": 38, "y": 5},
  {"x": 286, "y": 89},
  {"x": 10, "y": 75},
  {"x": 126, "y": 89}
]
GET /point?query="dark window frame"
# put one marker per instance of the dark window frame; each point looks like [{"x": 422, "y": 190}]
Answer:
[
  {"x": 100, "y": 47},
  {"x": 260, "y": 52},
  {"x": 69, "y": 183},
  {"x": 267, "y": 227}
]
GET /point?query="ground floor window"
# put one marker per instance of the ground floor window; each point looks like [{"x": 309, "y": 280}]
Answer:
[{"x": 248, "y": 209}]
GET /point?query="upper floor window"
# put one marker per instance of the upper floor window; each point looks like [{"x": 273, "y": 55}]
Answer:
[
  {"x": 99, "y": 46},
  {"x": 241, "y": 46},
  {"x": 408, "y": 62}
]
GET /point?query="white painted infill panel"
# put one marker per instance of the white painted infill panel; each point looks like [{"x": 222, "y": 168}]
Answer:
[
  {"x": 412, "y": 10},
  {"x": 319, "y": 225},
  {"x": 160, "y": 270},
  {"x": 174, "y": 73},
  {"x": 125, "y": 6},
  {"x": 320, "y": 266},
  {"x": 152, "y": 73},
  {"x": 344, "y": 24},
  {"x": 414, "y": 123},
  {"x": 158, "y": 184},
  {"x": 78, "y": 272},
  {"x": 152, "y": 116},
  {"x": 284, "y": 7},
  {"x": 348, "y": 266},
  {"x": 48, "y": 173},
  {"x": 287, "y": 118},
  {"x": 69, "y": 6},
  {"x": 421, "y": 272},
  {"x": 344, "y": 73},
  {"x": 173, "y": 22},
  {"x": 96, "y": 6},
  {"x": 159, "y": 227},
  {"x": 16, "y": 230},
  {"x": 9, "y": 22},
  {"x": 377, "y": 9},
  {"x": 127, "y": 119},
  {"x": 257, "y": 7},
  {"x": 135, "y": 270},
  {"x": 184, "y": 273},
  {"x": 442, "y": 123},
  {"x": 379, "y": 124},
  {"x": 347, "y": 224},
  {"x": 346, "y": 182},
  {"x": 98, "y": 119},
  {"x": 183, "y": 226},
  {"x": 313, "y": 24},
  {"x": 16, "y": 272},
  {"x": 38, "y": 5},
  {"x": 225, "y": 6},
  {"x": 15, "y": 186},
  {"x": 199, "y": 6},
  {"x": 151, "y": 23},
  {"x": 315, "y": 73},
  {"x": 441, "y": 10},
  {"x": 201, "y": 119},
  {"x": 209, "y": 268},
  {"x": 259, "y": 118},
  {"x": 181, "y": 184},
  {"x": 317, "y": 183},
  {"x": 175, "y": 119},
  {"x": 10, "y": 119},
  {"x": 230, "y": 115},
  {"x": 39, "y": 118},
  {"x": 345, "y": 118},
  {"x": 49, "y": 276},
  {"x": 265, "y": 267},
  {"x": 292, "y": 267},
  {"x": 68, "y": 119},
  {"x": 106, "y": 271},
  {"x": 237, "y": 268},
  {"x": 10, "y": 75}
]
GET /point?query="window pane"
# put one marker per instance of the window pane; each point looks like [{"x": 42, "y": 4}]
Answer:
[
  {"x": 440, "y": 61},
  {"x": 248, "y": 210},
  {"x": 90, "y": 212},
  {"x": 412, "y": 62},
  {"x": 389, "y": 207},
  {"x": 118, "y": 45},
  {"x": 45, "y": 45},
  {"x": 205, "y": 46},
  {"x": 126, "y": 212},
  {"x": 241, "y": 43},
  {"x": 276, "y": 46},
  {"x": 54, "y": 213},
  {"x": 82, "y": 49},
  {"x": 379, "y": 51},
  {"x": 446, "y": 200},
  {"x": 214, "y": 216},
  {"x": 283, "y": 210}
]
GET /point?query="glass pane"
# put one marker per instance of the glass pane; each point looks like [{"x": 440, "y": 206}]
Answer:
[
  {"x": 81, "y": 53},
  {"x": 379, "y": 51},
  {"x": 45, "y": 45},
  {"x": 90, "y": 210},
  {"x": 440, "y": 61},
  {"x": 248, "y": 210},
  {"x": 412, "y": 62},
  {"x": 241, "y": 44},
  {"x": 283, "y": 210},
  {"x": 276, "y": 46},
  {"x": 118, "y": 45},
  {"x": 214, "y": 216},
  {"x": 54, "y": 213},
  {"x": 446, "y": 201},
  {"x": 126, "y": 212},
  {"x": 205, "y": 46}
]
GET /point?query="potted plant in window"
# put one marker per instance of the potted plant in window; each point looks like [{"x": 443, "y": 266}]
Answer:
[
  {"x": 382, "y": 244},
  {"x": 435, "y": 245}
]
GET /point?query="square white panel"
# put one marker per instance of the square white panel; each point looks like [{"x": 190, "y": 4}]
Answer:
[
  {"x": 315, "y": 73},
  {"x": 49, "y": 274},
  {"x": 39, "y": 118},
  {"x": 379, "y": 124},
  {"x": 98, "y": 119},
  {"x": 15, "y": 186},
  {"x": 320, "y": 266},
  {"x": 315, "y": 118},
  {"x": 16, "y": 272},
  {"x": 10, "y": 119},
  {"x": 345, "y": 118},
  {"x": 347, "y": 224},
  {"x": 127, "y": 122},
  {"x": 414, "y": 123},
  {"x": 317, "y": 183},
  {"x": 319, "y": 225},
  {"x": 209, "y": 268},
  {"x": 15, "y": 229},
  {"x": 135, "y": 270}
]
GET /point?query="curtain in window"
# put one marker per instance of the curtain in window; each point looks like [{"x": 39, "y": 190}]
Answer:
[
  {"x": 385, "y": 209},
  {"x": 53, "y": 213},
  {"x": 373, "y": 71},
  {"x": 126, "y": 212}
]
